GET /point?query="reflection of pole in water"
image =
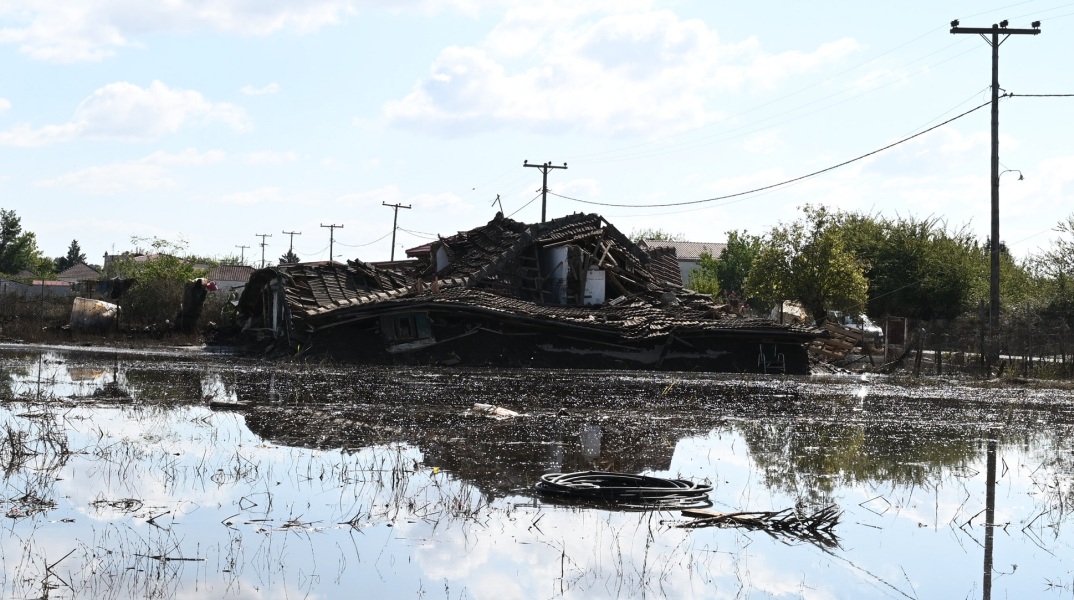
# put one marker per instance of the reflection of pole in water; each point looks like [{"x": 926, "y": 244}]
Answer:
[
  {"x": 590, "y": 438},
  {"x": 990, "y": 519}
]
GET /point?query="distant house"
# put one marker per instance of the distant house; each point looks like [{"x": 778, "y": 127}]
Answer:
[
  {"x": 79, "y": 272},
  {"x": 688, "y": 254},
  {"x": 48, "y": 289},
  {"x": 230, "y": 277},
  {"x": 83, "y": 277},
  {"x": 10, "y": 286}
]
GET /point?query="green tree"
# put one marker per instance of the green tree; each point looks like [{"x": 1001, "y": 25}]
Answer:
[
  {"x": 18, "y": 248},
  {"x": 807, "y": 261},
  {"x": 74, "y": 256},
  {"x": 159, "y": 279},
  {"x": 651, "y": 233},
  {"x": 289, "y": 258},
  {"x": 916, "y": 268},
  {"x": 726, "y": 273},
  {"x": 704, "y": 278}
]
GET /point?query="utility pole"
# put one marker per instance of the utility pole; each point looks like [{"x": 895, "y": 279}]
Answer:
[
  {"x": 545, "y": 168},
  {"x": 263, "y": 244},
  {"x": 497, "y": 201},
  {"x": 331, "y": 239},
  {"x": 991, "y": 36},
  {"x": 395, "y": 223},
  {"x": 242, "y": 255},
  {"x": 291, "y": 245}
]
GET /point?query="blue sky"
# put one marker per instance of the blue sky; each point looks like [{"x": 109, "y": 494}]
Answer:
[{"x": 217, "y": 120}]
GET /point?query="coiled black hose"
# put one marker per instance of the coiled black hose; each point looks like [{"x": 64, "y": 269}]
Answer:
[{"x": 625, "y": 490}]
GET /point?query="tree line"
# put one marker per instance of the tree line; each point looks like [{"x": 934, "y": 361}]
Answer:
[{"x": 922, "y": 269}]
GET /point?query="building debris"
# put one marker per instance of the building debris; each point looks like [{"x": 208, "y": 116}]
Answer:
[{"x": 571, "y": 292}]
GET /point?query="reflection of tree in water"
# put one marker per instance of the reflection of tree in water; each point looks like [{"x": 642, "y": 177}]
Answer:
[
  {"x": 15, "y": 366},
  {"x": 572, "y": 421},
  {"x": 173, "y": 384},
  {"x": 810, "y": 459},
  {"x": 498, "y": 456}
]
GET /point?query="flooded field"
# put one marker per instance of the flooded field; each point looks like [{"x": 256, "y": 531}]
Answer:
[{"x": 184, "y": 475}]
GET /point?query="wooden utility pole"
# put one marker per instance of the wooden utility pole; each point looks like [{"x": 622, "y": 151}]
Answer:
[
  {"x": 992, "y": 35},
  {"x": 545, "y": 168},
  {"x": 291, "y": 245},
  {"x": 395, "y": 223},
  {"x": 242, "y": 254},
  {"x": 263, "y": 244},
  {"x": 331, "y": 239}
]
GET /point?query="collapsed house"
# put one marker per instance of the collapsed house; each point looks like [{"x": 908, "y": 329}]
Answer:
[{"x": 571, "y": 292}]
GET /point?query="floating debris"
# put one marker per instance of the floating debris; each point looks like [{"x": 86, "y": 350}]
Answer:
[
  {"x": 815, "y": 527},
  {"x": 496, "y": 412},
  {"x": 625, "y": 490}
]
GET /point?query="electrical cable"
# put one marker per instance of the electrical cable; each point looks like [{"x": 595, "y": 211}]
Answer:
[
  {"x": 625, "y": 490},
  {"x": 366, "y": 244},
  {"x": 525, "y": 205},
  {"x": 419, "y": 234},
  {"x": 782, "y": 183}
]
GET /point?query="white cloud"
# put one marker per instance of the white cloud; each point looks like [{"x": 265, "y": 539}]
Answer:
[
  {"x": 126, "y": 112},
  {"x": 267, "y": 157},
  {"x": 90, "y": 30},
  {"x": 146, "y": 174},
  {"x": 555, "y": 71},
  {"x": 388, "y": 193},
  {"x": 272, "y": 88},
  {"x": 5, "y": 104},
  {"x": 267, "y": 195}
]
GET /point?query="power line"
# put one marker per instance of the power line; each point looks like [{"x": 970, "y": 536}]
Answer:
[
  {"x": 782, "y": 183},
  {"x": 531, "y": 202},
  {"x": 367, "y": 243}
]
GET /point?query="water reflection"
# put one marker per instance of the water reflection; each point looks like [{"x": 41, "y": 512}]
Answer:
[{"x": 393, "y": 483}]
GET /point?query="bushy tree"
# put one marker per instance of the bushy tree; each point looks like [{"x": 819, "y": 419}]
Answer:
[
  {"x": 289, "y": 258},
  {"x": 724, "y": 275},
  {"x": 157, "y": 292},
  {"x": 807, "y": 261},
  {"x": 74, "y": 256},
  {"x": 18, "y": 248},
  {"x": 651, "y": 233},
  {"x": 916, "y": 268}
]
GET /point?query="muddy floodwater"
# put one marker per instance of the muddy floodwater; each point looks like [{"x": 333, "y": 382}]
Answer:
[{"x": 178, "y": 474}]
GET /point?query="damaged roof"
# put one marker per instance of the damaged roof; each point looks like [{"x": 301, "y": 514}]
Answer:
[{"x": 482, "y": 263}]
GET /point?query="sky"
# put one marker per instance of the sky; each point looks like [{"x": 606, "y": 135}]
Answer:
[{"x": 214, "y": 122}]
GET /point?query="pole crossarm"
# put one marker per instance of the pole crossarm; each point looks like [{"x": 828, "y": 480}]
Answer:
[{"x": 995, "y": 29}]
